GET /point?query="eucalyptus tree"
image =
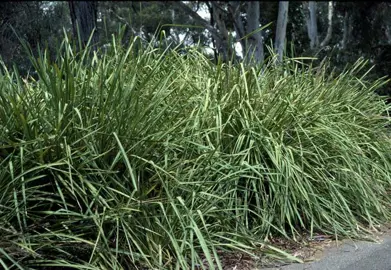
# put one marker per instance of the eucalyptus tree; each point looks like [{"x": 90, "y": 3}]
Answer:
[
  {"x": 330, "y": 24},
  {"x": 83, "y": 15},
  {"x": 150, "y": 19},
  {"x": 232, "y": 22},
  {"x": 254, "y": 48},
  {"x": 282, "y": 22},
  {"x": 312, "y": 24}
]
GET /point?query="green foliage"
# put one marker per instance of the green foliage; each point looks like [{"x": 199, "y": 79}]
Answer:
[
  {"x": 40, "y": 23},
  {"x": 144, "y": 19},
  {"x": 148, "y": 158}
]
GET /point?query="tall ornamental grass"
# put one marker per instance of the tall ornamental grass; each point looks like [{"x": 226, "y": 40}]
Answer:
[{"x": 156, "y": 160}]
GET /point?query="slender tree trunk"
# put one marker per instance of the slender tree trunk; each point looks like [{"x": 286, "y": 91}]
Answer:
[
  {"x": 346, "y": 30},
  {"x": 312, "y": 25},
  {"x": 83, "y": 16},
  {"x": 388, "y": 35},
  {"x": 254, "y": 46},
  {"x": 282, "y": 21},
  {"x": 234, "y": 9},
  {"x": 330, "y": 25},
  {"x": 213, "y": 38},
  {"x": 223, "y": 44}
]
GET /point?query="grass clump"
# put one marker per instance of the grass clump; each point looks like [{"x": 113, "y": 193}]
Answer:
[{"x": 155, "y": 160}]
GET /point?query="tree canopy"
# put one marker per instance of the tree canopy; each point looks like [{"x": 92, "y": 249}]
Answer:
[{"x": 343, "y": 31}]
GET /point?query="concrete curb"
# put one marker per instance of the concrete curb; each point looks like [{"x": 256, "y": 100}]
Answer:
[{"x": 358, "y": 255}]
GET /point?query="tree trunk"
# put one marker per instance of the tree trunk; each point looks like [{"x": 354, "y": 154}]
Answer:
[
  {"x": 330, "y": 26},
  {"x": 347, "y": 21},
  {"x": 187, "y": 10},
  {"x": 282, "y": 21},
  {"x": 312, "y": 25},
  {"x": 83, "y": 16},
  {"x": 254, "y": 45},
  {"x": 212, "y": 22},
  {"x": 223, "y": 44},
  {"x": 234, "y": 9},
  {"x": 388, "y": 35}
]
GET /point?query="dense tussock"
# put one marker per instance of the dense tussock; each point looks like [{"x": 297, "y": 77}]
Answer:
[{"x": 154, "y": 159}]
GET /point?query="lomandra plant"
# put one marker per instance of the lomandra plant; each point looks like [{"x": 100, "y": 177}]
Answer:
[{"x": 125, "y": 159}]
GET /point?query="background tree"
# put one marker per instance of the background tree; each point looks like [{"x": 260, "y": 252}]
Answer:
[
  {"x": 83, "y": 15},
  {"x": 254, "y": 46},
  {"x": 228, "y": 26},
  {"x": 342, "y": 31},
  {"x": 37, "y": 22},
  {"x": 330, "y": 25},
  {"x": 216, "y": 26},
  {"x": 312, "y": 24},
  {"x": 281, "y": 28}
]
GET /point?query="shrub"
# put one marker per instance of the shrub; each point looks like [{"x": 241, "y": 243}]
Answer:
[{"x": 120, "y": 159}]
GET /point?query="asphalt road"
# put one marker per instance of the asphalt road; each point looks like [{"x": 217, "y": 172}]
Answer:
[{"x": 351, "y": 255}]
